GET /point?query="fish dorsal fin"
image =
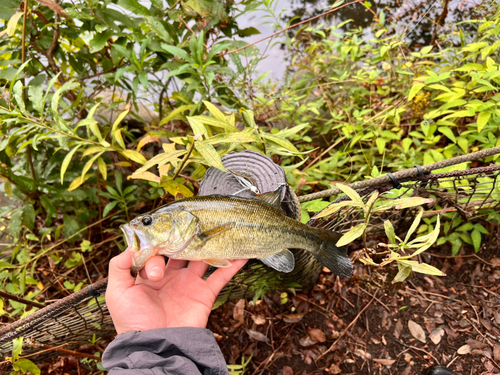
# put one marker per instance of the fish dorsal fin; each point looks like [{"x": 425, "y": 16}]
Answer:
[
  {"x": 272, "y": 198},
  {"x": 284, "y": 261},
  {"x": 212, "y": 232}
]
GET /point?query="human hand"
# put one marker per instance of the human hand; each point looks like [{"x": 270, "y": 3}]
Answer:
[{"x": 168, "y": 296}]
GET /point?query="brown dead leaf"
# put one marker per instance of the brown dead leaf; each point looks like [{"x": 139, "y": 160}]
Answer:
[
  {"x": 317, "y": 335},
  {"x": 306, "y": 341},
  {"x": 437, "y": 335},
  {"x": 398, "y": 330},
  {"x": 259, "y": 319},
  {"x": 287, "y": 370},
  {"x": 474, "y": 344},
  {"x": 497, "y": 317},
  {"x": 384, "y": 361},
  {"x": 239, "y": 310},
  {"x": 495, "y": 262},
  {"x": 464, "y": 349},
  {"x": 362, "y": 353},
  {"x": 54, "y": 7},
  {"x": 293, "y": 318},
  {"x": 416, "y": 331},
  {"x": 334, "y": 369},
  {"x": 496, "y": 352},
  {"x": 256, "y": 335}
]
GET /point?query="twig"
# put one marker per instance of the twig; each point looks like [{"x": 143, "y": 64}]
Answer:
[
  {"x": 184, "y": 160},
  {"x": 420, "y": 349},
  {"x": 21, "y": 300},
  {"x": 323, "y": 154},
  {"x": 291, "y": 27},
  {"x": 376, "y": 299},
  {"x": 349, "y": 326},
  {"x": 274, "y": 352}
]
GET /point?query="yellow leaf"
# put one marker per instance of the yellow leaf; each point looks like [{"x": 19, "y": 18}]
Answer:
[
  {"x": 147, "y": 139},
  {"x": 135, "y": 156},
  {"x": 102, "y": 168},
  {"x": 148, "y": 176},
  {"x": 118, "y": 137},
  {"x": 78, "y": 181},
  {"x": 214, "y": 111},
  {"x": 11, "y": 26}
]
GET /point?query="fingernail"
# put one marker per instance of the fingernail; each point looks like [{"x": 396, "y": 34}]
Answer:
[{"x": 155, "y": 272}]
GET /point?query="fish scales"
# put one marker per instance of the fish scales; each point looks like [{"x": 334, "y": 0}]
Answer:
[
  {"x": 259, "y": 230},
  {"x": 217, "y": 229}
]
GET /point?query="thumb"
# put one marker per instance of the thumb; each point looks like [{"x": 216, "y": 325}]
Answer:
[{"x": 119, "y": 272}]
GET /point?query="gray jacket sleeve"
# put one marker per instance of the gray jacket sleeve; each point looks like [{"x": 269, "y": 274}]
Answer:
[{"x": 172, "y": 351}]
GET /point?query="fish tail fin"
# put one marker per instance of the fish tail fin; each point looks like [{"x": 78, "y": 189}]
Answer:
[{"x": 333, "y": 257}]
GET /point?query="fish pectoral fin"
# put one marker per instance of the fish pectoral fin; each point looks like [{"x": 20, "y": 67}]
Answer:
[
  {"x": 272, "y": 198},
  {"x": 205, "y": 236},
  {"x": 284, "y": 261},
  {"x": 223, "y": 263}
]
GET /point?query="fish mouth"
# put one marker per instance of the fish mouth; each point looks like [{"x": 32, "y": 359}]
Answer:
[{"x": 136, "y": 239}]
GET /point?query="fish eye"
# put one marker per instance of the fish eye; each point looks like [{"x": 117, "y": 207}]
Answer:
[{"x": 147, "y": 221}]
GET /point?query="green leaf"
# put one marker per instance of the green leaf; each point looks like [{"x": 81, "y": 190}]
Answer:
[
  {"x": 402, "y": 203},
  {"x": 35, "y": 95},
  {"x": 354, "y": 233},
  {"x": 71, "y": 226},
  {"x": 17, "y": 348},
  {"x": 415, "y": 90},
  {"x": 18, "y": 95},
  {"x": 224, "y": 124},
  {"x": 157, "y": 26},
  {"x": 178, "y": 52},
  {"x": 135, "y": 7},
  {"x": 448, "y": 133},
  {"x": 211, "y": 156},
  {"x": 88, "y": 165},
  {"x": 48, "y": 206},
  {"x": 29, "y": 215},
  {"x": 315, "y": 205},
  {"x": 402, "y": 275},
  {"x": 214, "y": 111},
  {"x": 421, "y": 267},
  {"x": 415, "y": 224},
  {"x": 476, "y": 239},
  {"x": 351, "y": 193},
  {"x": 482, "y": 120},
  {"x": 380, "y": 145},
  {"x": 286, "y": 144},
  {"x": 248, "y": 32},
  {"x": 174, "y": 187},
  {"x": 15, "y": 223},
  {"x": 236, "y": 137},
  {"x": 198, "y": 127},
  {"x": 407, "y": 142},
  {"x": 109, "y": 207},
  {"x": 463, "y": 143},
  {"x": 389, "y": 231},
  {"x": 99, "y": 41}
]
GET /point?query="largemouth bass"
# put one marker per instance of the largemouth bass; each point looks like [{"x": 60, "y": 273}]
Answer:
[{"x": 217, "y": 229}]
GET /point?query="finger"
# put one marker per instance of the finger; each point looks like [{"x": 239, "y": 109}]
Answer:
[
  {"x": 221, "y": 277},
  {"x": 198, "y": 268},
  {"x": 154, "y": 269},
  {"x": 119, "y": 272},
  {"x": 175, "y": 264}
]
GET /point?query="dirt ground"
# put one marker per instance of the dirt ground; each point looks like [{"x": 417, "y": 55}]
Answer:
[
  {"x": 366, "y": 325},
  {"x": 362, "y": 325}
]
